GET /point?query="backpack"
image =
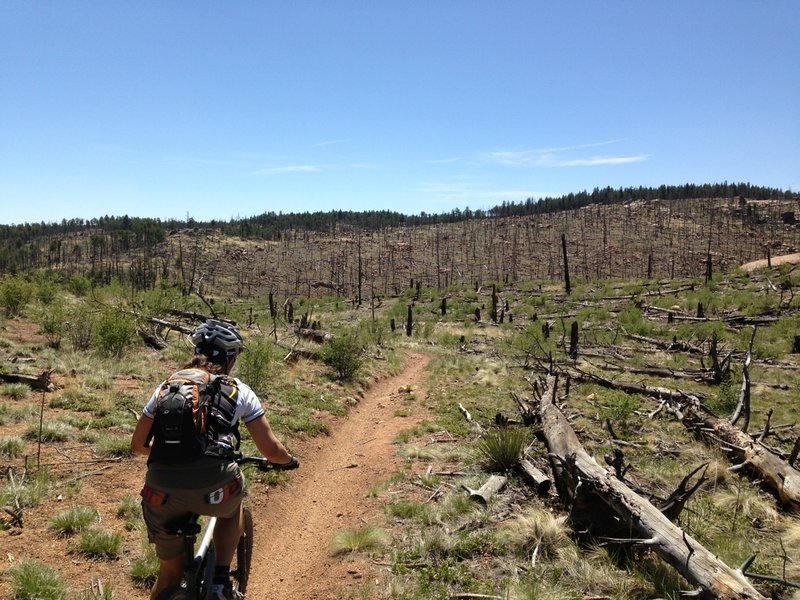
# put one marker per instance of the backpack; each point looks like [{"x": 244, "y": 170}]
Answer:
[{"x": 194, "y": 417}]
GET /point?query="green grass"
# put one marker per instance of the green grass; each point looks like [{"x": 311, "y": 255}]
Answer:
[
  {"x": 364, "y": 539},
  {"x": 15, "y": 391},
  {"x": 99, "y": 543},
  {"x": 129, "y": 510},
  {"x": 144, "y": 568},
  {"x": 114, "y": 445},
  {"x": 500, "y": 449},
  {"x": 11, "y": 446},
  {"x": 25, "y": 489},
  {"x": 33, "y": 580},
  {"x": 73, "y": 520},
  {"x": 50, "y": 431}
]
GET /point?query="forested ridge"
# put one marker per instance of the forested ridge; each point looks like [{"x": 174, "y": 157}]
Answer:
[{"x": 626, "y": 232}]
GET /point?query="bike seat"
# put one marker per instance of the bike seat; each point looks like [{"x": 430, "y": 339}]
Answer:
[{"x": 184, "y": 525}]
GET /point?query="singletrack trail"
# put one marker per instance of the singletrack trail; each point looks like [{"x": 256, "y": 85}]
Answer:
[{"x": 294, "y": 525}]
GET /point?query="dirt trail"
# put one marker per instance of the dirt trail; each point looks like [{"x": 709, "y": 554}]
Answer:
[
  {"x": 295, "y": 525},
  {"x": 774, "y": 261}
]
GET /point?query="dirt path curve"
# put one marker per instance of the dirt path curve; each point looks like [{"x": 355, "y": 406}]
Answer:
[
  {"x": 295, "y": 525},
  {"x": 775, "y": 261}
]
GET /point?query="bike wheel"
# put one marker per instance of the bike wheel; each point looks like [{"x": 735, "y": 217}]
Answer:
[
  {"x": 244, "y": 554},
  {"x": 174, "y": 593}
]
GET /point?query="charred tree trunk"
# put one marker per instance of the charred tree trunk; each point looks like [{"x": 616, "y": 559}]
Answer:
[{"x": 567, "y": 286}]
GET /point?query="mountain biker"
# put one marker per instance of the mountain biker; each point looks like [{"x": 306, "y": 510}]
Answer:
[{"x": 209, "y": 485}]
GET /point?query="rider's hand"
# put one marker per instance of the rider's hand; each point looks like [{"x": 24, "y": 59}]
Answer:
[{"x": 292, "y": 464}]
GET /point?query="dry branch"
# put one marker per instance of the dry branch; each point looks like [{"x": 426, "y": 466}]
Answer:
[
  {"x": 589, "y": 491},
  {"x": 660, "y": 393}
]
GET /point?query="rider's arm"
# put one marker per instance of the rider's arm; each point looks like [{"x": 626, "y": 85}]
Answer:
[
  {"x": 266, "y": 442},
  {"x": 139, "y": 437}
]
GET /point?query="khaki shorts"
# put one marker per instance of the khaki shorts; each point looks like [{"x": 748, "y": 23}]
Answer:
[{"x": 213, "y": 489}]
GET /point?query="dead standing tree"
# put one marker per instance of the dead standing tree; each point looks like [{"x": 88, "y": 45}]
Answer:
[{"x": 589, "y": 491}]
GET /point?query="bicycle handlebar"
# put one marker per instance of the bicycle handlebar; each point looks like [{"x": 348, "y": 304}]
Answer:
[{"x": 262, "y": 464}]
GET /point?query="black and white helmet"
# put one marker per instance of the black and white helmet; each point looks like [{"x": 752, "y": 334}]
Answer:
[{"x": 216, "y": 339}]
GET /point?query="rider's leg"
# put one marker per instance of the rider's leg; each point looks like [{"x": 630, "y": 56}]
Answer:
[
  {"x": 170, "y": 573},
  {"x": 226, "y": 536}
]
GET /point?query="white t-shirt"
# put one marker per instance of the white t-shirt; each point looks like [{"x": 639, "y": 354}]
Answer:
[{"x": 248, "y": 404}]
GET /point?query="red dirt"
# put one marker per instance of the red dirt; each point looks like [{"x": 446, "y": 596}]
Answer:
[{"x": 295, "y": 525}]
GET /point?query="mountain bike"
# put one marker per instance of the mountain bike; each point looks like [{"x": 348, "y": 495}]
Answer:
[{"x": 199, "y": 565}]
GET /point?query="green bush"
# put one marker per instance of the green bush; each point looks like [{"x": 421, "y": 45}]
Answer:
[
  {"x": 15, "y": 293},
  {"x": 51, "y": 318},
  {"x": 114, "y": 331},
  {"x": 254, "y": 365},
  {"x": 344, "y": 354},
  {"x": 80, "y": 326},
  {"x": 79, "y": 285}
]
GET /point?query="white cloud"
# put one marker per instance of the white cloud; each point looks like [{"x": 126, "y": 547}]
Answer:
[
  {"x": 465, "y": 192},
  {"x": 442, "y": 161},
  {"x": 327, "y": 143},
  {"x": 290, "y": 169},
  {"x": 560, "y": 157}
]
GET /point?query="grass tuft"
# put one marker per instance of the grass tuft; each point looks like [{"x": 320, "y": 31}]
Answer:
[
  {"x": 500, "y": 449},
  {"x": 11, "y": 446},
  {"x": 99, "y": 543},
  {"x": 364, "y": 539},
  {"x": 32, "y": 580},
  {"x": 73, "y": 520}
]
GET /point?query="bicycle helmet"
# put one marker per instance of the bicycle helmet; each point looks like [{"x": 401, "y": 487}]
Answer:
[{"x": 216, "y": 339}]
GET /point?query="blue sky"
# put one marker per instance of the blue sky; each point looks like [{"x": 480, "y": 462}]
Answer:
[{"x": 217, "y": 110}]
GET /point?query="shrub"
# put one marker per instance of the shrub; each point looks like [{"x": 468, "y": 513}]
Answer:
[
  {"x": 15, "y": 293},
  {"x": 32, "y": 580},
  {"x": 344, "y": 354},
  {"x": 80, "y": 326},
  {"x": 114, "y": 331},
  {"x": 79, "y": 285},
  {"x": 254, "y": 365},
  {"x": 52, "y": 320}
]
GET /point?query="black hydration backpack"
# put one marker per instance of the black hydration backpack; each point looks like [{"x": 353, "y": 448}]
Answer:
[{"x": 194, "y": 417}]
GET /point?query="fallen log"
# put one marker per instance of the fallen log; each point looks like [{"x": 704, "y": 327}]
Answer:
[
  {"x": 37, "y": 382},
  {"x": 534, "y": 477},
  {"x": 314, "y": 334},
  {"x": 657, "y": 392},
  {"x": 494, "y": 484},
  {"x": 775, "y": 473},
  {"x": 673, "y": 346},
  {"x": 589, "y": 491}
]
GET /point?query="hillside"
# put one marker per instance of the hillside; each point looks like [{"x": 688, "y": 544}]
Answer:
[{"x": 677, "y": 375}]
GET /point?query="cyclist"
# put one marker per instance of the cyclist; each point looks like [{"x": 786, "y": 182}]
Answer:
[{"x": 211, "y": 484}]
